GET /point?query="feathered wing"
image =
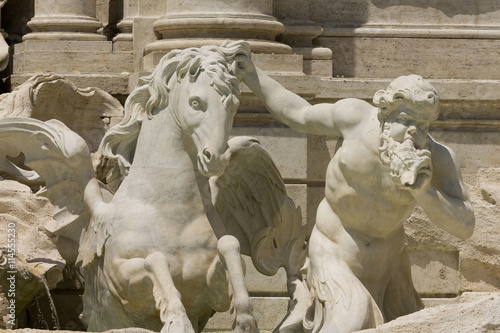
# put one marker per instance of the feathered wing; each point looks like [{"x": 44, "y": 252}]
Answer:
[
  {"x": 57, "y": 156},
  {"x": 251, "y": 199}
]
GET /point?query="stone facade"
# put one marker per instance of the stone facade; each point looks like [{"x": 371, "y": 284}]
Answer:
[{"x": 324, "y": 51}]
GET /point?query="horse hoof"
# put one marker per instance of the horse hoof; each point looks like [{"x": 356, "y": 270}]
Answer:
[
  {"x": 177, "y": 324},
  {"x": 246, "y": 323}
]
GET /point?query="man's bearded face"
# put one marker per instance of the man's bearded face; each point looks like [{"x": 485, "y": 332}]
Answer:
[{"x": 403, "y": 149}]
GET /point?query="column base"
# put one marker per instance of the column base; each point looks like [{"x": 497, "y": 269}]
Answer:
[
  {"x": 58, "y": 35},
  {"x": 257, "y": 46},
  {"x": 64, "y": 27}
]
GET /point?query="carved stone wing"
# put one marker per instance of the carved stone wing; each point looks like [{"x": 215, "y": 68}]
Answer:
[
  {"x": 252, "y": 202},
  {"x": 58, "y": 156}
]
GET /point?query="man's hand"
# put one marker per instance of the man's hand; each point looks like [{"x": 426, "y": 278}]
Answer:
[
  {"x": 242, "y": 66},
  {"x": 422, "y": 182},
  {"x": 411, "y": 177},
  {"x": 411, "y": 168}
]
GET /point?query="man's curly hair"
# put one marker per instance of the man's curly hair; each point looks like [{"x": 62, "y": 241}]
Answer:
[{"x": 411, "y": 91}]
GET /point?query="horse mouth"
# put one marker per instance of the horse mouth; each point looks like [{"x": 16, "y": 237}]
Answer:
[{"x": 210, "y": 169}]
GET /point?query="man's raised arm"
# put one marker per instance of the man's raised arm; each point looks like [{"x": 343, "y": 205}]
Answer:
[
  {"x": 445, "y": 199},
  {"x": 287, "y": 106}
]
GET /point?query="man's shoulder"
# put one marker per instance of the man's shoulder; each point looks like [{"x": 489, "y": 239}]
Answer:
[
  {"x": 443, "y": 157},
  {"x": 355, "y": 103},
  {"x": 353, "y": 111}
]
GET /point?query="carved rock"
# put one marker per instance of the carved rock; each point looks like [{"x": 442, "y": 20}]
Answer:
[
  {"x": 479, "y": 256},
  {"x": 35, "y": 254},
  {"x": 472, "y": 312},
  {"x": 87, "y": 111}
]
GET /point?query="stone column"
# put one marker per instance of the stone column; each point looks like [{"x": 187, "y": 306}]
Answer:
[
  {"x": 64, "y": 20},
  {"x": 4, "y": 47},
  {"x": 64, "y": 40},
  {"x": 195, "y": 23},
  {"x": 300, "y": 32},
  {"x": 125, "y": 37}
]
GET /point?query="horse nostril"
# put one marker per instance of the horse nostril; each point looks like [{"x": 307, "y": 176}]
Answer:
[
  {"x": 207, "y": 154},
  {"x": 411, "y": 130}
]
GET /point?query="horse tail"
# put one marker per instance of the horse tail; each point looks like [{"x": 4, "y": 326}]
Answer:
[
  {"x": 98, "y": 302},
  {"x": 339, "y": 302}
]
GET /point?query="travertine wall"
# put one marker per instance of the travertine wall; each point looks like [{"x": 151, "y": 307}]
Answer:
[{"x": 323, "y": 50}]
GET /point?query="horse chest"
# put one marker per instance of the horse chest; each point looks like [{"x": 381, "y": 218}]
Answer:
[{"x": 175, "y": 226}]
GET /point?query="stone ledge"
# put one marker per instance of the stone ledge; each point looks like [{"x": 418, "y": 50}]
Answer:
[
  {"x": 73, "y": 61},
  {"x": 482, "y": 125},
  {"x": 114, "y": 84},
  {"x": 270, "y": 311},
  {"x": 448, "y": 89},
  {"x": 412, "y": 31},
  {"x": 65, "y": 45}
]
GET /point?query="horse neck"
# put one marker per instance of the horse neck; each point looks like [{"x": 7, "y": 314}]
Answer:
[{"x": 164, "y": 153}]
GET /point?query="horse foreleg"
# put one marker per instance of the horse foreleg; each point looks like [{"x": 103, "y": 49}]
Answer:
[
  {"x": 168, "y": 299},
  {"x": 229, "y": 253}
]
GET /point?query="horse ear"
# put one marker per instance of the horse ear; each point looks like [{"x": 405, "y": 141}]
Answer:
[{"x": 194, "y": 68}]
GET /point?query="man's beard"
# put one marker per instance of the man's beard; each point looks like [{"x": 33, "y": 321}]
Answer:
[{"x": 408, "y": 164}]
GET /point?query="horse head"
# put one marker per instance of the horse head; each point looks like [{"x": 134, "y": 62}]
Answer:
[
  {"x": 199, "y": 88},
  {"x": 203, "y": 102}
]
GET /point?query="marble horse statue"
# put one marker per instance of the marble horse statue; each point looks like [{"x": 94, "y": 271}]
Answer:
[{"x": 160, "y": 245}]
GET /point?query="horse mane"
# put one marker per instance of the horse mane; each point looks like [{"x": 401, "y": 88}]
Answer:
[{"x": 152, "y": 95}]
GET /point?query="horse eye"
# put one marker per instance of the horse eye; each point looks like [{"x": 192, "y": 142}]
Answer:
[
  {"x": 196, "y": 104},
  {"x": 422, "y": 125}
]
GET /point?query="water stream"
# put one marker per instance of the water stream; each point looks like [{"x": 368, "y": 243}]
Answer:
[
  {"x": 40, "y": 318},
  {"x": 51, "y": 301}
]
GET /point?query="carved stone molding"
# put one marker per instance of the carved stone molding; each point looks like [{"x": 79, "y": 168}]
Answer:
[
  {"x": 413, "y": 31},
  {"x": 64, "y": 20},
  {"x": 192, "y": 24},
  {"x": 130, "y": 9}
]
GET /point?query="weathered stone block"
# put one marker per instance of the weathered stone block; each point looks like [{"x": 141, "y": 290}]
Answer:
[
  {"x": 113, "y": 84},
  {"x": 449, "y": 59},
  {"x": 435, "y": 272},
  {"x": 471, "y": 312},
  {"x": 320, "y": 150},
  {"x": 76, "y": 61},
  {"x": 67, "y": 45},
  {"x": 475, "y": 150},
  {"x": 286, "y": 147},
  {"x": 315, "y": 194},
  {"x": 479, "y": 255},
  {"x": 259, "y": 284},
  {"x": 268, "y": 311}
]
